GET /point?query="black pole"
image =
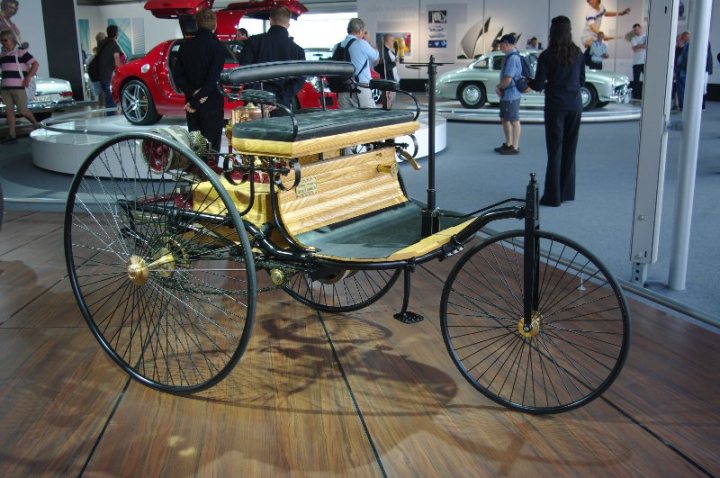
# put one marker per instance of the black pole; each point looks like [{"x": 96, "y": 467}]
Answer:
[
  {"x": 531, "y": 254},
  {"x": 430, "y": 219}
]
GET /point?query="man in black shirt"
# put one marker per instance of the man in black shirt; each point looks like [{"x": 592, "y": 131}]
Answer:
[
  {"x": 197, "y": 71},
  {"x": 276, "y": 45},
  {"x": 108, "y": 59}
]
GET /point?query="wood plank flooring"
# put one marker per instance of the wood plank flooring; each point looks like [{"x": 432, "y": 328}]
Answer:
[{"x": 315, "y": 394}]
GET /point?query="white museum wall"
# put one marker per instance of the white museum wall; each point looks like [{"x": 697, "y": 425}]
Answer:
[
  {"x": 519, "y": 16},
  {"x": 528, "y": 18},
  {"x": 29, "y": 19},
  {"x": 156, "y": 30}
]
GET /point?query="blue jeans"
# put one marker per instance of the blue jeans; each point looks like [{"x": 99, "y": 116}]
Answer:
[
  {"x": 109, "y": 103},
  {"x": 681, "y": 76}
]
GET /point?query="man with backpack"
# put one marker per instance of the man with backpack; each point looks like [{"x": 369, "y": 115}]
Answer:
[
  {"x": 509, "y": 94},
  {"x": 363, "y": 55}
]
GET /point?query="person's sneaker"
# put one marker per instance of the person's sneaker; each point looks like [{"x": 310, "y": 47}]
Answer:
[
  {"x": 9, "y": 140},
  {"x": 502, "y": 148},
  {"x": 510, "y": 150}
]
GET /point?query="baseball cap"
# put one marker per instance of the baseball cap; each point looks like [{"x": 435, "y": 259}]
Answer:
[{"x": 509, "y": 38}]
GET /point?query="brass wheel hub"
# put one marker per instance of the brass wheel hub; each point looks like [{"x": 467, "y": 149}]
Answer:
[
  {"x": 277, "y": 276},
  {"x": 138, "y": 269},
  {"x": 533, "y": 328}
]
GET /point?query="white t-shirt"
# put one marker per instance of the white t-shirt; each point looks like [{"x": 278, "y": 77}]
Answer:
[
  {"x": 639, "y": 55},
  {"x": 592, "y": 17}
]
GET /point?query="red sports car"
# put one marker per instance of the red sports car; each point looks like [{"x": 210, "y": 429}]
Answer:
[{"x": 144, "y": 87}]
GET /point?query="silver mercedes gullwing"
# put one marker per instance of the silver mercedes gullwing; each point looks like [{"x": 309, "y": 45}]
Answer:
[{"x": 474, "y": 84}]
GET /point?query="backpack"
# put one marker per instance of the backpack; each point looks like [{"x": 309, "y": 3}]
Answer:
[
  {"x": 94, "y": 69},
  {"x": 336, "y": 83},
  {"x": 523, "y": 82}
]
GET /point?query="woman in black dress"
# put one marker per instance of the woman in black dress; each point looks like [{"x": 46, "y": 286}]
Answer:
[{"x": 560, "y": 74}]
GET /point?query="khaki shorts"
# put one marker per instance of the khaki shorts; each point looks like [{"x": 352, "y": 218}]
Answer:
[
  {"x": 360, "y": 99},
  {"x": 14, "y": 97}
]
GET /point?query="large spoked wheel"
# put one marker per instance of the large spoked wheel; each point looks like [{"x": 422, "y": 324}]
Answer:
[
  {"x": 580, "y": 330},
  {"x": 137, "y": 104},
  {"x": 160, "y": 263},
  {"x": 340, "y": 290},
  {"x": 472, "y": 94}
]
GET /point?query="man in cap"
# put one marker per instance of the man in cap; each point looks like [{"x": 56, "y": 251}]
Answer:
[{"x": 509, "y": 96}]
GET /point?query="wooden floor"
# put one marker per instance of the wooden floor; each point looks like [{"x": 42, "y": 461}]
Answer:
[{"x": 378, "y": 398}]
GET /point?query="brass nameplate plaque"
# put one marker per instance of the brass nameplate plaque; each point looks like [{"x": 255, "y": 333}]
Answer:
[{"x": 307, "y": 187}]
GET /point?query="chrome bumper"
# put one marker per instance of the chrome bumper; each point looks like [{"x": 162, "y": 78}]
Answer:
[
  {"x": 621, "y": 94},
  {"x": 44, "y": 106}
]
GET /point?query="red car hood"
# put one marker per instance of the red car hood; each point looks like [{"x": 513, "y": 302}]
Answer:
[
  {"x": 228, "y": 17},
  {"x": 254, "y": 9}
]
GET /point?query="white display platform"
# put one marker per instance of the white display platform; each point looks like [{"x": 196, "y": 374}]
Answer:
[
  {"x": 69, "y": 139},
  {"x": 453, "y": 111}
]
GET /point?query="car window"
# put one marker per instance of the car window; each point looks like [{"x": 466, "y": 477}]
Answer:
[
  {"x": 532, "y": 59},
  {"x": 173, "y": 56},
  {"x": 498, "y": 62},
  {"x": 481, "y": 63},
  {"x": 232, "y": 49}
]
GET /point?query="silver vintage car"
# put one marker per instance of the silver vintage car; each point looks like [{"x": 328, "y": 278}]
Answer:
[
  {"x": 474, "y": 85},
  {"x": 51, "y": 94}
]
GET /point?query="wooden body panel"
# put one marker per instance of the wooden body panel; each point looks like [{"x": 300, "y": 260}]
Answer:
[
  {"x": 205, "y": 199},
  {"x": 334, "y": 191}
]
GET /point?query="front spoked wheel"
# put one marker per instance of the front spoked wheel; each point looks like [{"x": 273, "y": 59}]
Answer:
[
  {"x": 340, "y": 290},
  {"x": 579, "y": 334},
  {"x": 160, "y": 263}
]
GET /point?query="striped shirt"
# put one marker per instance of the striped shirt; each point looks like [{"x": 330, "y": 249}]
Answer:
[{"x": 11, "y": 77}]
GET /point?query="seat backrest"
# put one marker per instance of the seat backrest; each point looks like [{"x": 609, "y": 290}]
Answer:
[{"x": 339, "y": 190}]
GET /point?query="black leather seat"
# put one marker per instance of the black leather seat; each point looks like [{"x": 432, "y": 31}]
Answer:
[{"x": 320, "y": 124}]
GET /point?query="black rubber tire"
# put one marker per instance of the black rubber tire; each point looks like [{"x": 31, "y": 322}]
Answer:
[
  {"x": 42, "y": 116},
  {"x": 578, "y": 346},
  {"x": 589, "y": 97},
  {"x": 137, "y": 103},
  {"x": 472, "y": 94},
  {"x": 341, "y": 290},
  {"x": 180, "y": 318}
]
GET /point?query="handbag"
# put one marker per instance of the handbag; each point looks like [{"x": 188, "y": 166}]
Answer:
[{"x": 31, "y": 88}]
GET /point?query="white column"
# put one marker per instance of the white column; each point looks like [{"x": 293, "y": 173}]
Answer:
[
  {"x": 662, "y": 25},
  {"x": 692, "y": 111}
]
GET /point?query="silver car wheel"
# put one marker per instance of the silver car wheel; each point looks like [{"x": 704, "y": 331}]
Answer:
[
  {"x": 137, "y": 104},
  {"x": 588, "y": 97},
  {"x": 472, "y": 95}
]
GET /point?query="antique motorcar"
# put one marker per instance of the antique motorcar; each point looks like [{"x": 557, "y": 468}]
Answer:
[
  {"x": 474, "y": 84},
  {"x": 51, "y": 94},
  {"x": 144, "y": 87}
]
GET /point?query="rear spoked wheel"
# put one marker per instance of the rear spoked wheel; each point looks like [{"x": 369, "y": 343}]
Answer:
[
  {"x": 579, "y": 334},
  {"x": 160, "y": 263},
  {"x": 340, "y": 290}
]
